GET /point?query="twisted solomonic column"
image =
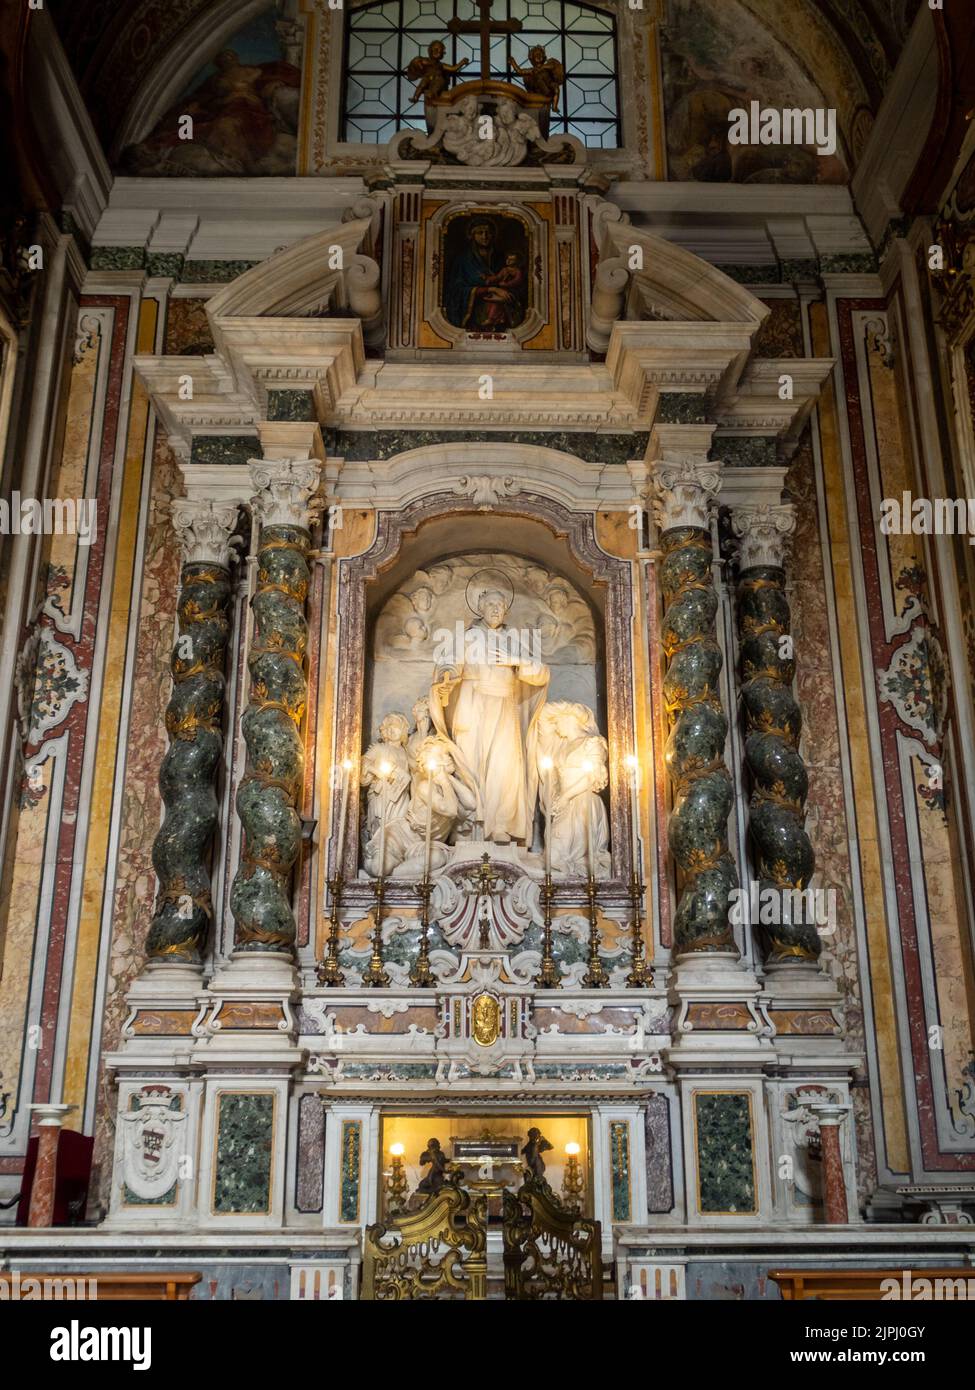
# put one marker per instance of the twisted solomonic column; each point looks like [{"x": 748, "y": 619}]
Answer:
[
  {"x": 194, "y": 717},
  {"x": 784, "y": 854},
  {"x": 685, "y": 488},
  {"x": 267, "y": 800}
]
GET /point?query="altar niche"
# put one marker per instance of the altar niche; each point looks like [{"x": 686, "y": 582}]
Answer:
[
  {"x": 422, "y": 591},
  {"x": 419, "y": 1153}
]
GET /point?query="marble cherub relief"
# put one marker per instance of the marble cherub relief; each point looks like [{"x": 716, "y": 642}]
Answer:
[{"x": 487, "y": 755}]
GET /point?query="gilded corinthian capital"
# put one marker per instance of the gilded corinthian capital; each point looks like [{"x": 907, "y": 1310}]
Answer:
[
  {"x": 685, "y": 487},
  {"x": 285, "y": 491}
]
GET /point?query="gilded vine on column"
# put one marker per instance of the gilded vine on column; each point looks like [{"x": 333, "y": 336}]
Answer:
[
  {"x": 773, "y": 723},
  {"x": 268, "y": 797},
  {"x": 194, "y": 720},
  {"x": 702, "y": 790}
]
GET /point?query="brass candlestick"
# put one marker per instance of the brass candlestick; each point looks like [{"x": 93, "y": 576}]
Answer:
[
  {"x": 376, "y": 975},
  {"x": 640, "y": 976},
  {"x": 421, "y": 976},
  {"x": 573, "y": 1183},
  {"x": 330, "y": 975},
  {"x": 595, "y": 977},
  {"x": 548, "y": 975},
  {"x": 397, "y": 1187}
]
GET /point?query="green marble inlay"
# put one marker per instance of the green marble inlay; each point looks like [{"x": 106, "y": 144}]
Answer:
[
  {"x": 682, "y": 408},
  {"x": 726, "y": 1174},
  {"x": 799, "y": 270},
  {"x": 378, "y": 445},
  {"x": 167, "y": 263},
  {"x": 751, "y": 274},
  {"x": 245, "y": 1144},
  {"x": 619, "y": 1148},
  {"x": 214, "y": 272},
  {"x": 351, "y": 1158},
  {"x": 745, "y": 451},
  {"x": 168, "y": 1199},
  {"x": 389, "y": 1071},
  {"x": 856, "y": 263},
  {"x": 291, "y": 405},
  {"x": 225, "y": 448},
  {"x": 117, "y": 257}
]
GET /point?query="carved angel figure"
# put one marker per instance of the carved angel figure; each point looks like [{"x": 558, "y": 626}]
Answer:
[
  {"x": 385, "y": 774},
  {"x": 432, "y": 74},
  {"x": 579, "y": 771},
  {"x": 544, "y": 77}
]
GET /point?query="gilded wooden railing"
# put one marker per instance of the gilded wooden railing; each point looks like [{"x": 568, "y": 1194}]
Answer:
[
  {"x": 550, "y": 1252},
  {"x": 438, "y": 1252}
]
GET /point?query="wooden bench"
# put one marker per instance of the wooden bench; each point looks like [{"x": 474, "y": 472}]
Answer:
[
  {"x": 867, "y": 1285},
  {"x": 110, "y": 1285}
]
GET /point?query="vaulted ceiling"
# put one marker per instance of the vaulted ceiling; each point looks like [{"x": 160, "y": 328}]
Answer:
[{"x": 114, "y": 45}]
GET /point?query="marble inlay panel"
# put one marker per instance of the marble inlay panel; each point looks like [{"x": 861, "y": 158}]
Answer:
[
  {"x": 725, "y": 1155},
  {"x": 311, "y": 1154},
  {"x": 244, "y": 1152},
  {"x": 351, "y": 1171},
  {"x": 660, "y": 1173},
  {"x": 619, "y": 1147}
]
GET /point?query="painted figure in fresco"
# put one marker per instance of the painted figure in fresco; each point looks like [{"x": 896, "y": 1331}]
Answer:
[
  {"x": 245, "y": 118},
  {"x": 544, "y": 76},
  {"x": 533, "y": 1150},
  {"x": 437, "y": 1176},
  {"x": 432, "y": 74},
  {"x": 483, "y": 289},
  {"x": 484, "y": 704}
]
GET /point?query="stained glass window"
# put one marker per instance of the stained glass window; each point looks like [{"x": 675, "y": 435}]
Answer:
[{"x": 381, "y": 39}]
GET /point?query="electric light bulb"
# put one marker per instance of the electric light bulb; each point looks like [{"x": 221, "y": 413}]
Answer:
[
  {"x": 385, "y": 769},
  {"x": 572, "y": 1149},
  {"x": 397, "y": 1150},
  {"x": 545, "y": 764}
]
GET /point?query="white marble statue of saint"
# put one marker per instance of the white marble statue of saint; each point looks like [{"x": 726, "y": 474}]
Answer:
[
  {"x": 422, "y": 725},
  {"x": 436, "y": 792},
  {"x": 567, "y": 733},
  {"x": 485, "y": 701},
  {"x": 385, "y": 773}
]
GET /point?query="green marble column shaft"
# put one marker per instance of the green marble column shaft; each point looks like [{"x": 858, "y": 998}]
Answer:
[
  {"x": 268, "y": 796},
  {"x": 194, "y": 717},
  {"x": 703, "y": 795},
  {"x": 784, "y": 857}
]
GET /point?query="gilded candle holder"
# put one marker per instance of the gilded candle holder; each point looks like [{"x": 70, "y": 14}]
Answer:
[
  {"x": 641, "y": 975},
  {"x": 421, "y": 976},
  {"x": 595, "y": 977},
  {"x": 375, "y": 976},
  {"x": 330, "y": 974},
  {"x": 548, "y": 976}
]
